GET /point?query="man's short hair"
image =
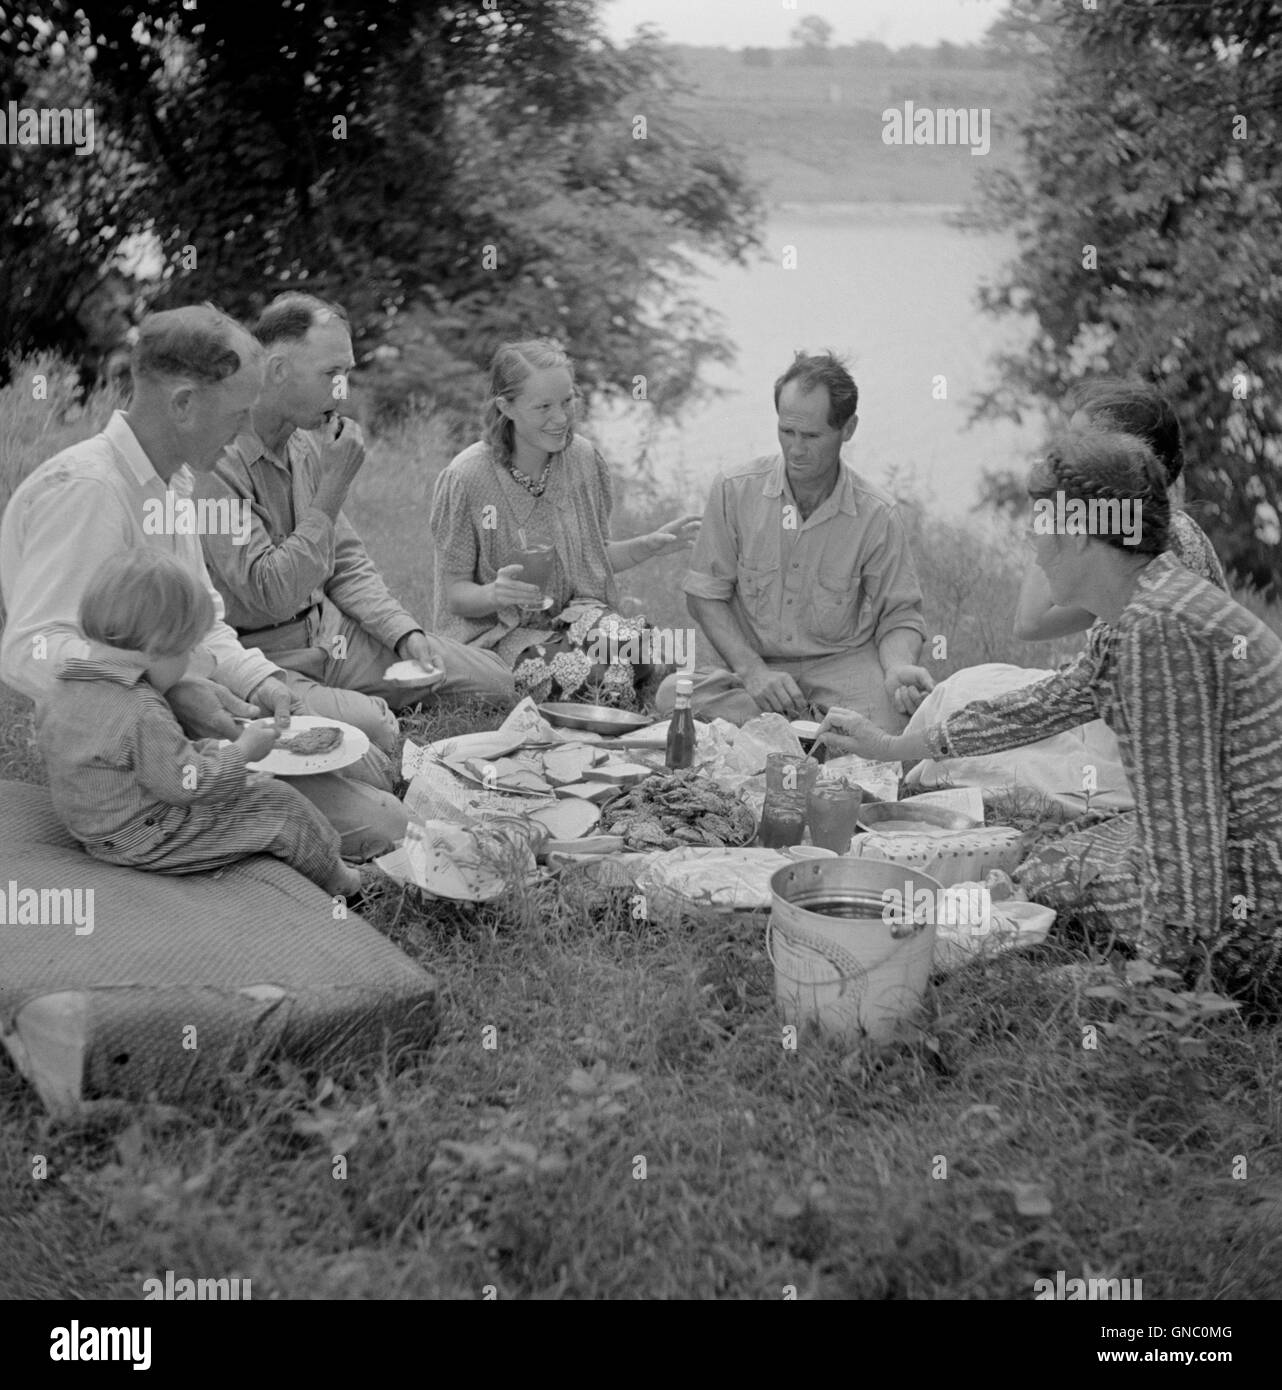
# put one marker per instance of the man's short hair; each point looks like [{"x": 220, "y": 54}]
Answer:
[
  {"x": 829, "y": 371},
  {"x": 197, "y": 342},
  {"x": 289, "y": 316}
]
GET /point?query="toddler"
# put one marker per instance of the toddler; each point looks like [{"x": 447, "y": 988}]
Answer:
[{"x": 124, "y": 778}]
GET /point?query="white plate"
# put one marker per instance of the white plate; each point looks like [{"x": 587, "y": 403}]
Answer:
[
  {"x": 353, "y": 748},
  {"x": 408, "y": 675}
]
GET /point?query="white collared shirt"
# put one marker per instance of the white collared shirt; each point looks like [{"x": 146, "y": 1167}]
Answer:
[{"x": 74, "y": 512}]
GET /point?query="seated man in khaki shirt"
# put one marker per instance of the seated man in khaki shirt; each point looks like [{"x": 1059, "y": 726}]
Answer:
[
  {"x": 801, "y": 577},
  {"x": 301, "y": 586}
]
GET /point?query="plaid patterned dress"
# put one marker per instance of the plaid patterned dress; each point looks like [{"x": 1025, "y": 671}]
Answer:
[{"x": 1191, "y": 684}]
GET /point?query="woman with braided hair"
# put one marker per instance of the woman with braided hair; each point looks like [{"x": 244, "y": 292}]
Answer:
[
  {"x": 1133, "y": 407},
  {"x": 1191, "y": 684}
]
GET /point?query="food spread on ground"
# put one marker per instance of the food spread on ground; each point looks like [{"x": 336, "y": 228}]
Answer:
[
  {"x": 685, "y": 838},
  {"x": 308, "y": 742},
  {"x": 672, "y": 809},
  {"x": 567, "y": 820}
]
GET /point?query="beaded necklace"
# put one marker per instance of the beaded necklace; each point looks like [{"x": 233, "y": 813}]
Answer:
[{"x": 535, "y": 487}]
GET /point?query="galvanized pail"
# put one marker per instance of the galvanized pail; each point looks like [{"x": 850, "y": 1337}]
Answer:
[{"x": 837, "y": 957}]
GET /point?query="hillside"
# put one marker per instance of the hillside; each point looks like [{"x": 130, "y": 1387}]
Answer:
[{"x": 814, "y": 134}]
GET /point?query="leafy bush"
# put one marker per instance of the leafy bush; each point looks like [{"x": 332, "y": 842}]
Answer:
[{"x": 1146, "y": 207}]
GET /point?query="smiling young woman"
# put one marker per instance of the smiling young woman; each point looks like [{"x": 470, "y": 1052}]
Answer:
[{"x": 531, "y": 489}]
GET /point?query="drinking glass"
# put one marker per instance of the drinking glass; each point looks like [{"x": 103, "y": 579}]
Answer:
[
  {"x": 538, "y": 563},
  {"x": 783, "y": 821},
  {"x": 783, "y": 814},
  {"x": 791, "y": 772},
  {"x": 832, "y": 812}
]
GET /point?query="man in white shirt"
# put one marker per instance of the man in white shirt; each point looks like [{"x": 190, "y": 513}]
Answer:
[{"x": 197, "y": 374}]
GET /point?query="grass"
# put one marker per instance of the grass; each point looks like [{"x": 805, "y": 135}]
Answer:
[{"x": 994, "y": 1146}]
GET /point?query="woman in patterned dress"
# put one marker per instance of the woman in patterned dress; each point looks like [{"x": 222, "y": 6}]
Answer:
[
  {"x": 530, "y": 479},
  {"x": 1139, "y": 409},
  {"x": 1133, "y": 407},
  {"x": 1191, "y": 684}
]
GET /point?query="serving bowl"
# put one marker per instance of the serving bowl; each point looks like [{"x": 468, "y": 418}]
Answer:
[
  {"x": 877, "y": 814},
  {"x": 597, "y": 719}
]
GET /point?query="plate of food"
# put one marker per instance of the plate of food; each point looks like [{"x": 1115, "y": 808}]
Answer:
[
  {"x": 674, "y": 809},
  {"x": 599, "y": 719},
  {"x": 312, "y": 744}
]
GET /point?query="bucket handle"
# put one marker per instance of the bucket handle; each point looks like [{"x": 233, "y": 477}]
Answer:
[{"x": 847, "y": 967}]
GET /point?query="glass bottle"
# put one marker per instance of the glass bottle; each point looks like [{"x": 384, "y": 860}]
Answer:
[{"x": 681, "y": 735}]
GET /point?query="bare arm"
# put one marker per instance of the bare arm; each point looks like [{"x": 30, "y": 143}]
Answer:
[
  {"x": 772, "y": 690},
  {"x": 900, "y": 647},
  {"x": 1038, "y": 618},
  {"x": 673, "y": 535},
  {"x": 907, "y": 684},
  {"x": 624, "y": 555},
  {"x": 468, "y": 599},
  {"x": 716, "y": 619}
]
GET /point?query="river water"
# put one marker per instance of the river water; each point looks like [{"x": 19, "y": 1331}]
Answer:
[{"x": 892, "y": 287}]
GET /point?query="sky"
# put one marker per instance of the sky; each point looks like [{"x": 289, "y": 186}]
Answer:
[{"x": 768, "y": 23}]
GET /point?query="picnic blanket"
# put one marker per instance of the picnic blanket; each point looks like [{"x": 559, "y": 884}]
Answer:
[{"x": 155, "y": 984}]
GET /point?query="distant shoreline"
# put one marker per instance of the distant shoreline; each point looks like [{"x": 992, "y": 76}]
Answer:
[{"x": 848, "y": 211}]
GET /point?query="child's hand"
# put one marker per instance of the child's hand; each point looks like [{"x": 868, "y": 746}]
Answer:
[{"x": 257, "y": 740}]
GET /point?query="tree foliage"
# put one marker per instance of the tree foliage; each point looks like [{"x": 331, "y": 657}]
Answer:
[
  {"x": 812, "y": 35},
  {"x": 1153, "y": 137},
  {"x": 454, "y": 174}
]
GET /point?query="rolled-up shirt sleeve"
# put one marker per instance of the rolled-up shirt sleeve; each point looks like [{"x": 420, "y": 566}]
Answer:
[
  {"x": 714, "y": 562},
  {"x": 893, "y": 588}
]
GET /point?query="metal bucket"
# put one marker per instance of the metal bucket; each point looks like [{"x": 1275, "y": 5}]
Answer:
[{"x": 837, "y": 959}]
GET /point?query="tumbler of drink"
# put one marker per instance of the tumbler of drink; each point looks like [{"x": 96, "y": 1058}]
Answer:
[
  {"x": 538, "y": 564},
  {"x": 832, "y": 812},
  {"x": 791, "y": 772},
  {"x": 783, "y": 820}
]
